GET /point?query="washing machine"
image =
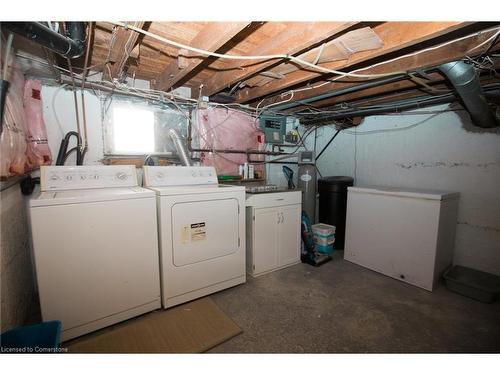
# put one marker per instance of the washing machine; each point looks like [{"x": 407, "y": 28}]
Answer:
[
  {"x": 95, "y": 247},
  {"x": 201, "y": 228}
]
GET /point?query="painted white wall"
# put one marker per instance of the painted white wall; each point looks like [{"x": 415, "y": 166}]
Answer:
[
  {"x": 446, "y": 152},
  {"x": 60, "y": 118}
]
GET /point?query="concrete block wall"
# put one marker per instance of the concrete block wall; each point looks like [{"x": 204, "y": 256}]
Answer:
[{"x": 16, "y": 271}]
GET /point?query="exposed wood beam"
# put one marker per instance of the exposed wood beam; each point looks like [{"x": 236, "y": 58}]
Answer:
[
  {"x": 120, "y": 50},
  {"x": 452, "y": 51},
  {"x": 395, "y": 35},
  {"x": 296, "y": 38},
  {"x": 211, "y": 38}
]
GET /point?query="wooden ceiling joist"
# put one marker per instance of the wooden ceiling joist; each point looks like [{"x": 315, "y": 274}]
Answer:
[
  {"x": 362, "y": 47},
  {"x": 211, "y": 38},
  {"x": 452, "y": 51},
  {"x": 120, "y": 50},
  {"x": 395, "y": 36},
  {"x": 296, "y": 38}
]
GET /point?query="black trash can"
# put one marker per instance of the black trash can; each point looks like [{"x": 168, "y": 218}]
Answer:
[{"x": 333, "y": 204}]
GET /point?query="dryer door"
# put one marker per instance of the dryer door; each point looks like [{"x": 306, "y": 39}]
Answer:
[{"x": 203, "y": 230}]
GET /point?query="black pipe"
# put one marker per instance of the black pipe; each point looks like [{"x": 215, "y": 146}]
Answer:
[
  {"x": 4, "y": 87},
  {"x": 71, "y": 45},
  {"x": 346, "y": 90},
  {"x": 448, "y": 98},
  {"x": 63, "y": 153},
  {"x": 328, "y": 144},
  {"x": 400, "y": 106}
]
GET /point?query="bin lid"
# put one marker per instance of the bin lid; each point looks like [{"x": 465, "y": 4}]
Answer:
[
  {"x": 335, "y": 183},
  {"x": 322, "y": 228}
]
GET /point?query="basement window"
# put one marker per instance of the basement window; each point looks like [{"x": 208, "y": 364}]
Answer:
[
  {"x": 135, "y": 127},
  {"x": 133, "y": 130}
]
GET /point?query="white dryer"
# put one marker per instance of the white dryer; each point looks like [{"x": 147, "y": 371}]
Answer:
[
  {"x": 201, "y": 228},
  {"x": 95, "y": 247}
]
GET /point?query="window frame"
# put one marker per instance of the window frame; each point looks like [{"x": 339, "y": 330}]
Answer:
[{"x": 161, "y": 112}]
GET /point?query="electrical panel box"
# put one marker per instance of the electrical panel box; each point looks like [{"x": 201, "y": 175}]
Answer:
[{"x": 274, "y": 128}]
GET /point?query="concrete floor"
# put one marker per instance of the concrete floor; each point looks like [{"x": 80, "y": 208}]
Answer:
[{"x": 344, "y": 308}]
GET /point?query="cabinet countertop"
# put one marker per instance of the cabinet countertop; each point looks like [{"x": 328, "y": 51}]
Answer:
[{"x": 275, "y": 198}]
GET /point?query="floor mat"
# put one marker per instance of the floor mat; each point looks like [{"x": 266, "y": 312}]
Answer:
[{"x": 193, "y": 327}]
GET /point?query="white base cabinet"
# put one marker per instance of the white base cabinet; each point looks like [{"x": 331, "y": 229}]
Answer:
[{"x": 273, "y": 231}]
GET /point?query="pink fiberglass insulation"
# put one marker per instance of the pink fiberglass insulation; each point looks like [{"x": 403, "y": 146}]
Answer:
[
  {"x": 38, "y": 148},
  {"x": 13, "y": 139},
  {"x": 227, "y": 129}
]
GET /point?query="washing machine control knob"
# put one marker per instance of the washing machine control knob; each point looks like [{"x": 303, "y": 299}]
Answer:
[{"x": 121, "y": 176}]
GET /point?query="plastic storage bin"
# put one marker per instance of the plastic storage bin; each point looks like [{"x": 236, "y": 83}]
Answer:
[
  {"x": 324, "y": 237},
  {"x": 481, "y": 286},
  {"x": 324, "y": 234},
  {"x": 323, "y": 229},
  {"x": 325, "y": 249},
  {"x": 32, "y": 339}
]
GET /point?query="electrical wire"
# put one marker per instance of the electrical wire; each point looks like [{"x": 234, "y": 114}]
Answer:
[
  {"x": 56, "y": 117},
  {"x": 378, "y": 131},
  {"x": 291, "y": 92},
  {"x": 127, "y": 50},
  {"x": 260, "y": 57},
  {"x": 342, "y": 74}
]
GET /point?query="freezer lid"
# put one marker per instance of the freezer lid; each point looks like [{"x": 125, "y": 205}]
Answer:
[
  {"x": 431, "y": 194},
  {"x": 52, "y": 198}
]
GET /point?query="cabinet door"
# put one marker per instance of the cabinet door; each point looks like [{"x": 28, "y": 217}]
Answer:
[
  {"x": 265, "y": 239},
  {"x": 289, "y": 235}
]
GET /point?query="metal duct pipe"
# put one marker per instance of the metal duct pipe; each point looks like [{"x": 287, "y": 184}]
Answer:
[
  {"x": 464, "y": 79},
  {"x": 72, "y": 45},
  {"x": 179, "y": 146}
]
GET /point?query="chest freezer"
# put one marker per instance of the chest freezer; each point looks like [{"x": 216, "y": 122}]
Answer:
[{"x": 407, "y": 234}]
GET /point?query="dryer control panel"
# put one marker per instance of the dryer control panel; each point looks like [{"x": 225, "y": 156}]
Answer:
[
  {"x": 155, "y": 176},
  {"x": 87, "y": 177}
]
